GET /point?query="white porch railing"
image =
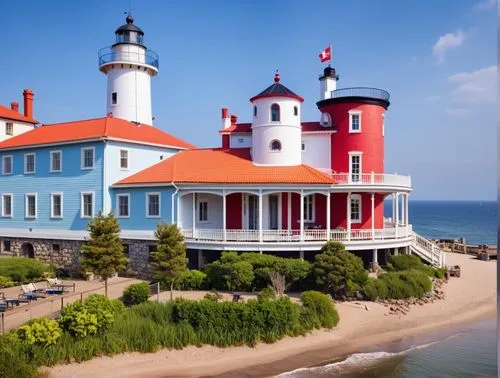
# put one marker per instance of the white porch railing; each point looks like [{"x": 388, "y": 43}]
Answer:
[
  {"x": 371, "y": 179},
  {"x": 249, "y": 236},
  {"x": 427, "y": 250}
]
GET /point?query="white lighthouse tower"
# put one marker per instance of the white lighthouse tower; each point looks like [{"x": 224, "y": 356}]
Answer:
[
  {"x": 129, "y": 66},
  {"x": 276, "y": 126}
]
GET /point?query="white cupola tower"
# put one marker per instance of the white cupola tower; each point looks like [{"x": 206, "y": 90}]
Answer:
[
  {"x": 276, "y": 126},
  {"x": 129, "y": 66},
  {"x": 328, "y": 83}
]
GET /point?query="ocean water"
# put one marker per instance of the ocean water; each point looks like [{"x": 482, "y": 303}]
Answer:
[
  {"x": 476, "y": 221},
  {"x": 464, "y": 351},
  {"x": 467, "y": 351}
]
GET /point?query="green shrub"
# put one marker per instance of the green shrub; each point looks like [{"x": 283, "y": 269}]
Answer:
[
  {"x": 321, "y": 305},
  {"x": 21, "y": 269},
  {"x": 192, "y": 280},
  {"x": 266, "y": 293},
  {"x": 406, "y": 284},
  {"x": 136, "y": 293},
  {"x": 405, "y": 262},
  {"x": 375, "y": 289},
  {"x": 77, "y": 320},
  {"x": 41, "y": 331},
  {"x": 214, "y": 296},
  {"x": 117, "y": 306},
  {"x": 5, "y": 282},
  {"x": 230, "y": 275},
  {"x": 439, "y": 273},
  {"x": 14, "y": 362}
]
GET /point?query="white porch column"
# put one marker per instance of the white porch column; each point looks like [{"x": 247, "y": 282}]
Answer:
[
  {"x": 407, "y": 207},
  {"x": 301, "y": 255},
  {"x": 375, "y": 256},
  {"x": 201, "y": 263},
  {"x": 260, "y": 215},
  {"x": 397, "y": 213},
  {"x": 194, "y": 215},
  {"x": 224, "y": 214},
  {"x": 373, "y": 216},
  {"x": 348, "y": 216},
  {"x": 301, "y": 215},
  {"x": 289, "y": 211},
  {"x": 328, "y": 216},
  {"x": 179, "y": 212},
  {"x": 393, "y": 208}
]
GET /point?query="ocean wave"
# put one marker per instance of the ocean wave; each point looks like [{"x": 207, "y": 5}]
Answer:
[{"x": 356, "y": 362}]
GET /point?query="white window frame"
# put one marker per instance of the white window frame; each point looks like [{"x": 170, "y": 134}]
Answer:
[
  {"x": 82, "y": 157},
  {"x": 360, "y": 154},
  {"x": 26, "y": 215},
  {"x": 82, "y": 215},
  {"x": 52, "y": 215},
  {"x": 312, "y": 217},
  {"x": 11, "y": 195},
  {"x": 383, "y": 124},
  {"x": 118, "y": 215},
  {"x": 26, "y": 163},
  {"x": 120, "y": 157},
  {"x": 351, "y": 113},
  {"x": 11, "y": 164},
  {"x": 356, "y": 197},
  {"x": 11, "y": 124},
  {"x": 202, "y": 201},
  {"x": 52, "y": 170},
  {"x": 326, "y": 120},
  {"x": 271, "y": 113},
  {"x": 147, "y": 204}
]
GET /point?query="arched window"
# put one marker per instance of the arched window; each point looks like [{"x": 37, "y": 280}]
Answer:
[
  {"x": 275, "y": 113},
  {"x": 295, "y": 111},
  {"x": 275, "y": 145},
  {"x": 255, "y": 111}
]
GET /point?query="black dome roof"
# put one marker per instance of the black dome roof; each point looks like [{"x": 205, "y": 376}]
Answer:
[
  {"x": 129, "y": 26},
  {"x": 277, "y": 90}
]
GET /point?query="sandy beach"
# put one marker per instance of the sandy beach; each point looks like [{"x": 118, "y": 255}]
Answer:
[{"x": 470, "y": 298}]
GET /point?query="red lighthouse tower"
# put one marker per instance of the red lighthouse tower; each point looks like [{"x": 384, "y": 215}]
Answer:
[{"x": 357, "y": 146}]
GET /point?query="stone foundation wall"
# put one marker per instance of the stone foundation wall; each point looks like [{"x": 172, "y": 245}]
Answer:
[
  {"x": 68, "y": 255},
  {"x": 138, "y": 254}
]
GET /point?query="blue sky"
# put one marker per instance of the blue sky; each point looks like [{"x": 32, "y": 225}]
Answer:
[{"x": 437, "y": 59}]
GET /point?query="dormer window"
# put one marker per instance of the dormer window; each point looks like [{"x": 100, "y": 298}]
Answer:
[
  {"x": 275, "y": 113},
  {"x": 275, "y": 146},
  {"x": 255, "y": 111},
  {"x": 295, "y": 111}
]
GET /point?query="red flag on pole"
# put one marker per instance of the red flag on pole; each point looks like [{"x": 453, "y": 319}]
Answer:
[{"x": 326, "y": 54}]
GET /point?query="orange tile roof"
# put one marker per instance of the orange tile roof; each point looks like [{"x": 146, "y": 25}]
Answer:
[
  {"x": 247, "y": 128},
  {"x": 11, "y": 114},
  {"x": 223, "y": 166},
  {"x": 107, "y": 128}
]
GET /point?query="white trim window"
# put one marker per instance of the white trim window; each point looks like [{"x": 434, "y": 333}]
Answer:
[
  {"x": 123, "y": 205},
  {"x": 55, "y": 161},
  {"x": 153, "y": 205},
  {"x": 56, "y": 205},
  {"x": 326, "y": 119},
  {"x": 7, "y": 164},
  {"x": 355, "y": 166},
  {"x": 309, "y": 208},
  {"x": 86, "y": 204},
  {"x": 355, "y": 208},
  {"x": 29, "y": 163},
  {"x": 354, "y": 121},
  {"x": 275, "y": 113},
  {"x": 202, "y": 211},
  {"x": 87, "y": 158},
  {"x": 7, "y": 205},
  {"x": 124, "y": 159},
  {"x": 275, "y": 146},
  {"x": 30, "y": 205}
]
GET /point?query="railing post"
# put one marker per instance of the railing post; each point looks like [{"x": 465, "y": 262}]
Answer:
[
  {"x": 328, "y": 216},
  {"x": 373, "y": 177},
  {"x": 224, "y": 214}
]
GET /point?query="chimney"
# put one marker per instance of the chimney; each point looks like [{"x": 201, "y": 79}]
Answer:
[
  {"x": 14, "y": 106},
  {"x": 28, "y": 102},
  {"x": 225, "y": 119},
  {"x": 234, "y": 119}
]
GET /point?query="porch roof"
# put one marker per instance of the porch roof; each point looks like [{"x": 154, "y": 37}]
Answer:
[{"x": 224, "y": 166}]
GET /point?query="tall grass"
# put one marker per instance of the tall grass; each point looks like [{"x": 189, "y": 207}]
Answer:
[
  {"x": 150, "y": 326},
  {"x": 21, "y": 270}
]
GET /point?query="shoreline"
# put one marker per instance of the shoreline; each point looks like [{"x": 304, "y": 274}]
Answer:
[{"x": 468, "y": 299}]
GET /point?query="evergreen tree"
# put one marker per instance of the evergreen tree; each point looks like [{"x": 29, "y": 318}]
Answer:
[
  {"x": 169, "y": 260},
  {"x": 338, "y": 270},
  {"x": 103, "y": 252}
]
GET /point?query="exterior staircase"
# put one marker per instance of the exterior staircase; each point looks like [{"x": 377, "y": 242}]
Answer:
[{"x": 427, "y": 251}]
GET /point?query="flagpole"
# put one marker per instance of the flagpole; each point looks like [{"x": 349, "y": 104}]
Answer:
[{"x": 330, "y": 46}]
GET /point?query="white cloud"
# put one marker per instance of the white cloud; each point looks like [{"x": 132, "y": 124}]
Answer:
[
  {"x": 433, "y": 98},
  {"x": 447, "y": 42},
  {"x": 476, "y": 87},
  {"x": 458, "y": 112},
  {"x": 486, "y": 5}
]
